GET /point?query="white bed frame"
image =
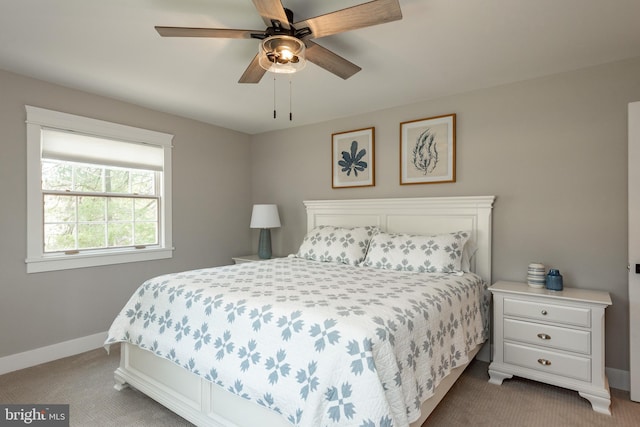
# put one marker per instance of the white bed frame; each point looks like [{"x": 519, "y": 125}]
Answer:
[{"x": 206, "y": 404}]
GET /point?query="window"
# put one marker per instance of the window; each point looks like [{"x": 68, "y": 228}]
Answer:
[{"x": 98, "y": 193}]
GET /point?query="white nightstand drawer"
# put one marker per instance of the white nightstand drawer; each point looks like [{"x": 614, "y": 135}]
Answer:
[
  {"x": 565, "y": 365},
  {"x": 548, "y": 336},
  {"x": 549, "y": 312}
]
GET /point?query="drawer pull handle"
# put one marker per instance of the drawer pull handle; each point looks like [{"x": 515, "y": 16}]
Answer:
[
  {"x": 544, "y": 362},
  {"x": 544, "y": 312},
  {"x": 544, "y": 336}
]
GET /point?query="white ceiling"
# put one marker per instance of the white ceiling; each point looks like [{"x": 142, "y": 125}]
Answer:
[{"x": 440, "y": 47}]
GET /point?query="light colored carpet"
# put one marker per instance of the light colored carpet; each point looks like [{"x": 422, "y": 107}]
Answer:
[
  {"x": 472, "y": 401},
  {"x": 85, "y": 382}
]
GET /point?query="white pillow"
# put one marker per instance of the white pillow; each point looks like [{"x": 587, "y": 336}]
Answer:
[
  {"x": 441, "y": 253},
  {"x": 341, "y": 245},
  {"x": 470, "y": 249}
]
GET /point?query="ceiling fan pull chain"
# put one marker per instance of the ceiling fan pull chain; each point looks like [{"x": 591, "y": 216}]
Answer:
[
  {"x": 290, "y": 109},
  {"x": 274, "y": 96}
]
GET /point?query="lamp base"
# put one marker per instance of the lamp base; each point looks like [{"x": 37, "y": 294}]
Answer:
[{"x": 264, "y": 244}]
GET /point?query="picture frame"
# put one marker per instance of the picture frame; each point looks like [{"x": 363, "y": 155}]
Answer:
[
  {"x": 353, "y": 158},
  {"x": 428, "y": 150}
]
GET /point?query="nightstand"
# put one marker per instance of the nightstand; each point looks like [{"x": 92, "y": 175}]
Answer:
[
  {"x": 552, "y": 337},
  {"x": 248, "y": 258}
]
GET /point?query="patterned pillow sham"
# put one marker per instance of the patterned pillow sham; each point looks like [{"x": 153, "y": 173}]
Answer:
[
  {"x": 441, "y": 253},
  {"x": 341, "y": 245}
]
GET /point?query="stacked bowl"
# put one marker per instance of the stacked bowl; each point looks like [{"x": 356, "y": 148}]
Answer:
[{"x": 535, "y": 275}]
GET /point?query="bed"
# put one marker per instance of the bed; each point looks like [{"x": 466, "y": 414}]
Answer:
[{"x": 321, "y": 338}]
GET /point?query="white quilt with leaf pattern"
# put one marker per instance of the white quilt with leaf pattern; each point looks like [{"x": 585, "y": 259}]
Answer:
[{"x": 323, "y": 344}]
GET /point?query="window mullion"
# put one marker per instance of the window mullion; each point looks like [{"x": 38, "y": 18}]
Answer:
[
  {"x": 94, "y": 194},
  {"x": 133, "y": 223},
  {"x": 76, "y": 226},
  {"x": 105, "y": 210}
]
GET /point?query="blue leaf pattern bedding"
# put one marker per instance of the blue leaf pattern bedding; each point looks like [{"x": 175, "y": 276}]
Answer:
[{"x": 323, "y": 344}]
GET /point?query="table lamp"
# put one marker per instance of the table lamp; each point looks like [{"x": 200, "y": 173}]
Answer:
[{"x": 265, "y": 217}]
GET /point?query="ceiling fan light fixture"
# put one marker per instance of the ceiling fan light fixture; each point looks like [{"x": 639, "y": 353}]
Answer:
[{"x": 282, "y": 54}]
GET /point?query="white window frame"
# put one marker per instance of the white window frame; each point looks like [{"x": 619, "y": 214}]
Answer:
[{"x": 39, "y": 261}]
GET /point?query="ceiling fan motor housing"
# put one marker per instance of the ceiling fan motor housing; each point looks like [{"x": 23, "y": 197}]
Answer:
[{"x": 282, "y": 54}]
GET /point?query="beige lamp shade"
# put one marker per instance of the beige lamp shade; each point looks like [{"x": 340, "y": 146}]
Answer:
[{"x": 265, "y": 216}]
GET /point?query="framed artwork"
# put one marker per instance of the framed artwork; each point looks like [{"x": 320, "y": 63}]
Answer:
[
  {"x": 352, "y": 158},
  {"x": 428, "y": 150}
]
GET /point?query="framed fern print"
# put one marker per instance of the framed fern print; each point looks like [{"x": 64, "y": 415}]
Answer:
[
  {"x": 428, "y": 150},
  {"x": 353, "y": 158}
]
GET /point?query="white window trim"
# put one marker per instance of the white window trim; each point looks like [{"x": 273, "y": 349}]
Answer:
[{"x": 38, "y": 261}]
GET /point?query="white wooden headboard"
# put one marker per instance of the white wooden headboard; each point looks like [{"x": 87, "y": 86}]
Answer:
[{"x": 425, "y": 215}]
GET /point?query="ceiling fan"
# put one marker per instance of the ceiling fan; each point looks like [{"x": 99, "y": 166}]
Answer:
[{"x": 286, "y": 45}]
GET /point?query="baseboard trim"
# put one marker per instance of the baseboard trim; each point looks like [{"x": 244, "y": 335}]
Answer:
[
  {"x": 618, "y": 379},
  {"x": 484, "y": 354},
  {"x": 50, "y": 353}
]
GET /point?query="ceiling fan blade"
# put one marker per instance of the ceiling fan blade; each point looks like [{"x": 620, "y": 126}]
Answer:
[
  {"x": 206, "y": 32},
  {"x": 359, "y": 16},
  {"x": 253, "y": 73},
  {"x": 330, "y": 61},
  {"x": 272, "y": 10}
]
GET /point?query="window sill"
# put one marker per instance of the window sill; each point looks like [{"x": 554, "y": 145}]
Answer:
[{"x": 66, "y": 262}]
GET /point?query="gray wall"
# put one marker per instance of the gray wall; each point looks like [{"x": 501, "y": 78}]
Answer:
[
  {"x": 211, "y": 211},
  {"x": 553, "y": 150}
]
